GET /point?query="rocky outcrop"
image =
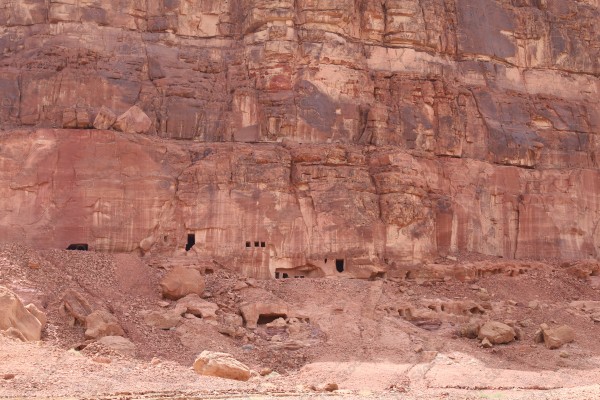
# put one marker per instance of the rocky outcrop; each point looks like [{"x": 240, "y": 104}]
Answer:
[
  {"x": 324, "y": 138},
  {"x": 309, "y": 205},
  {"x": 221, "y": 365},
  {"x": 16, "y": 320},
  {"x": 181, "y": 282},
  {"x": 101, "y": 323}
]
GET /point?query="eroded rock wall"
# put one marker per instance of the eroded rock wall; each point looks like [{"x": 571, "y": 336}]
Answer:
[
  {"x": 371, "y": 206},
  {"x": 380, "y": 132},
  {"x": 508, "y": 81}
]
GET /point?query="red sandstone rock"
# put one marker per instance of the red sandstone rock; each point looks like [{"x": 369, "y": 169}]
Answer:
[
  {"x": 428, "y": 128},
  {"x": 133, "y": 120},
  {"x": 104, "y": 119}
]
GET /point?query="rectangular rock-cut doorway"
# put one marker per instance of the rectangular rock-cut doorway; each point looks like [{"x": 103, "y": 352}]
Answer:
[{"x": 191, "y": 241}]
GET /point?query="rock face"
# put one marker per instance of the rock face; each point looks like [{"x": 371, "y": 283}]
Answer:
[
  {"x": 180, "y": 282},
  {"x": 17, "y": 320},
  {"x": 353, "y": 136},
  {"x": 222, "y": 365}
]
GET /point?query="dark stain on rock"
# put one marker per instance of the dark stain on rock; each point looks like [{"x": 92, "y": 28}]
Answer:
[{"x": 315, "y": 107}]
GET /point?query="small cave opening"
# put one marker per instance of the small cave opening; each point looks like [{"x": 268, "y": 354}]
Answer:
[
  {"x": 78, "y": 246},
  {"x": 191, "y": 241},
  {"x": 255, "y": 244},
  {"x": 264, "y": 319},
  {"x": 263, "y": 244},
  {"x": 339, "y": 265},
  {"x": 248, "y": 244}
]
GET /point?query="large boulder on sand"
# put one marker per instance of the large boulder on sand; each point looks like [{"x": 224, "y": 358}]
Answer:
[
  {"x": 497, "y": 332},
  {"x": 555, "y": 338},
  {"x": 133, "y": 120},
  {"x": 180, "y": 282},
  {"x": 222, "y": 365},
  {"x": 101, "y": 323},
  {"x": 14, "y": 317}
]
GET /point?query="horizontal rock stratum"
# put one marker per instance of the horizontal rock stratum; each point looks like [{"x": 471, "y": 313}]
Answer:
[{"x": 262, "y": 207}]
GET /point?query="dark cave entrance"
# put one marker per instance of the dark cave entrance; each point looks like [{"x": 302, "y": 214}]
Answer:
[
  {"x": 78, "y": 246},
  {"x": 264, "y": 319},
  {"x": 191, "y": 241},
  {"x": 339, "y": 265}
]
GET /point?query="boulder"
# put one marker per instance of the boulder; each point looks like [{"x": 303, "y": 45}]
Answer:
[
  {"x": 104, "y": 119},
  {"x": 102, "y": 323},
  {"x": 496, "y": 332},
  {"x": 164, "y": 319},
  {"x": 198, "y": 306},
  {"x": 555, "y": 338},
  {"x": 75, "y": 306},
  {"x": 119, "y": 344},
  {"x": 133, "y": 120},
  {"x": 180, "y": 282},
  {"x": 15, "y": 317},
  {"x": 222, "y": 365},
  {"x": 253, "y": 311}
]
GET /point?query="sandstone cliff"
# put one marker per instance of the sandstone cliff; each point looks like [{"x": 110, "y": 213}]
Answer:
[{"x": 377, "y": 132}]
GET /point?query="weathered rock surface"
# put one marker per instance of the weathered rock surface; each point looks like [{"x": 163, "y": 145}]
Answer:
[
  {"x": 427, "y": 128},
  {"x": 555, "y": 338},
  {"x": 198, "y": 307},
  {"x": 497, "y": 332},
  {"x": 133, "y": 120},
  {"x": 310, "y": 205},
  {"x": 102, "y": 323},
  {"x": 164, "y": 319},
  {"x": 104, "y": 119},
  {"x": 16, "y": 320},
  {"x": 252, "y": 312},
  {"x": 181, "y": 282},
  {"x": 119, "y": 344},
  {"x": 222, "y": 365}
]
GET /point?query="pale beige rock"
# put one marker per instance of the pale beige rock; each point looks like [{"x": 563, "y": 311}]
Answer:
[
  {"x": 198, "y": 306},
  {"x": 15, "y": 318},
  {"x": 40, "y": 315},
  {"x": 164, "y": 319},
  {"x": 119, "y": 344},
  {"x": 251, "y": 312},
  {"x": 182, "y": 281},
  {"x": 222, "y": 365},
  {"x": 555, "y": 338},
  {"x": 496, "y": 332},
  {"x": 104, "y": 119},
  {"x": 133, "y": 120},
  {"x": 102, "y": 323},
  {"x": 75, "y": 306}
]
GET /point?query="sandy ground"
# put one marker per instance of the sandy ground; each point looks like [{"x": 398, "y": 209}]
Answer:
[{"x": 355, "y": 337}]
